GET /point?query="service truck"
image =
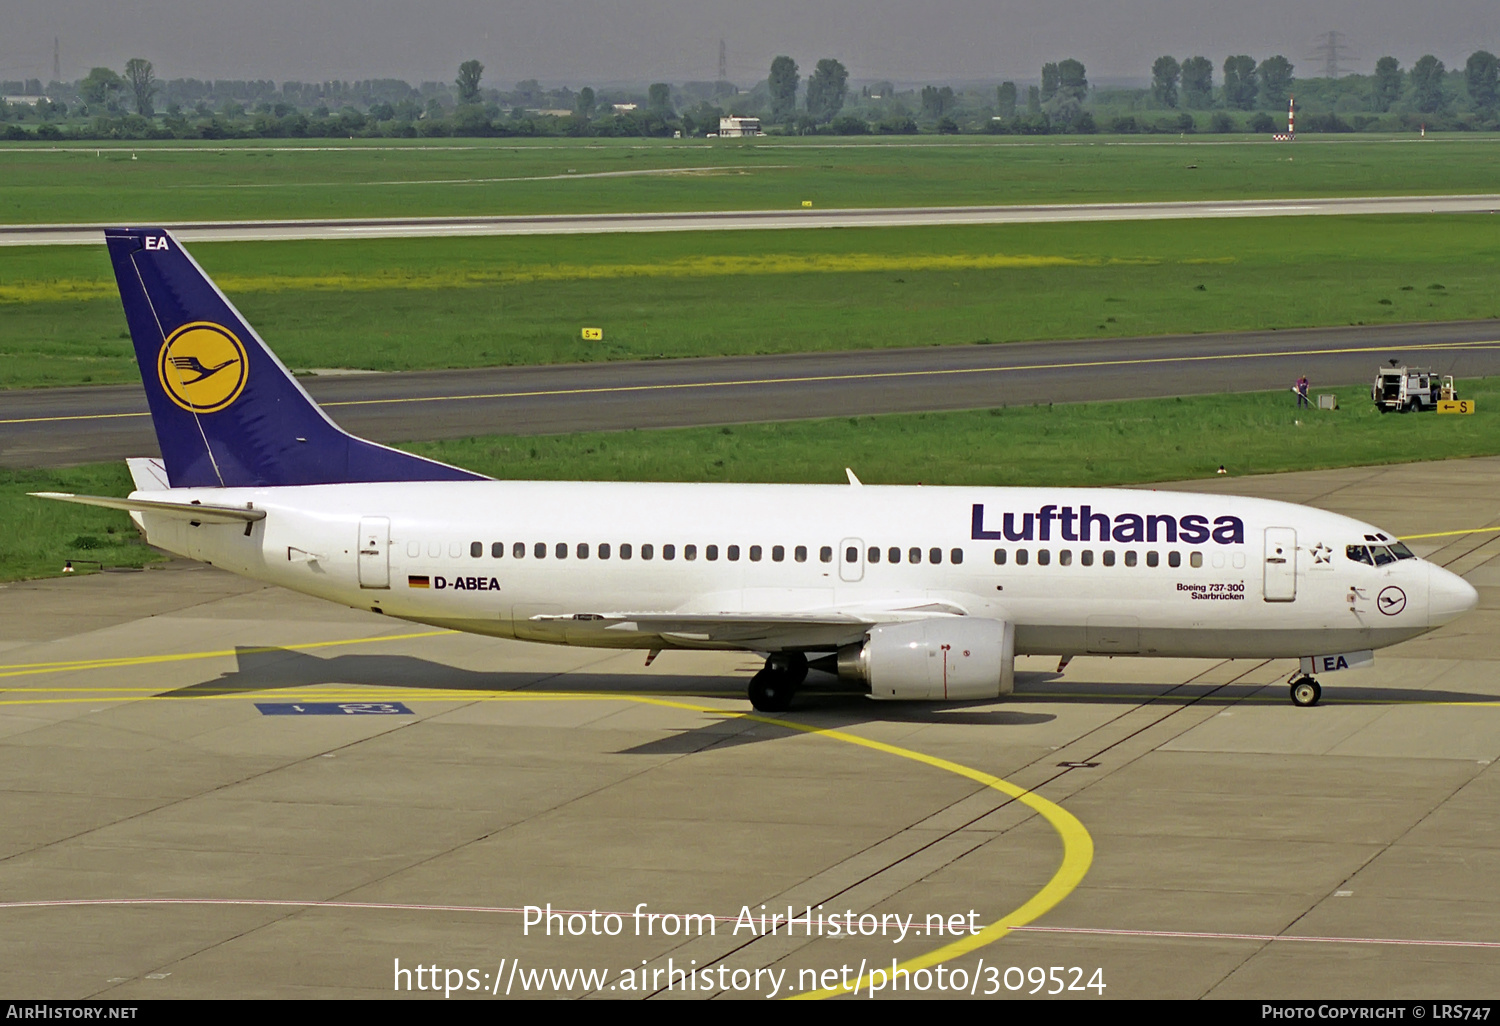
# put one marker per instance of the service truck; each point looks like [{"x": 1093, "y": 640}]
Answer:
[{"x": 1410, "y": 388}]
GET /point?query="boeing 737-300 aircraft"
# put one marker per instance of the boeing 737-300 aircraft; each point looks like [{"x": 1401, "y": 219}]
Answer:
[{"x": 904, "y": 592}]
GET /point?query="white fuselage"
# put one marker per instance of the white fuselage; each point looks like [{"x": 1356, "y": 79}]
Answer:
[{"x": 1177, "y": 575}]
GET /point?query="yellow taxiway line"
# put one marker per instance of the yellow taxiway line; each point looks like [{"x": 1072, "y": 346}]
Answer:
[{"x": 1078, "y": 845}]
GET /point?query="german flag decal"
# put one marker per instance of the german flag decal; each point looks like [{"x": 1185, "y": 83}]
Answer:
[{"x": 413, "y": 581}]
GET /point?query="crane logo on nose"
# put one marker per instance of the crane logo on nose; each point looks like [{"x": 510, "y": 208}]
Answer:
[{"x": 1391, "y": 600}]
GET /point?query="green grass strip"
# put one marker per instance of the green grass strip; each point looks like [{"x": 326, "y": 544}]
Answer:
[
  {"x": 1083, "y": 444},
  {"x": 145, "y": 183},
  {"x": 419, "y": 304},
  {"x": 40, "y": 536}
]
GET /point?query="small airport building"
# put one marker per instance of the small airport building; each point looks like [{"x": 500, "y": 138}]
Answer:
[{"x": 739, "y": 128}]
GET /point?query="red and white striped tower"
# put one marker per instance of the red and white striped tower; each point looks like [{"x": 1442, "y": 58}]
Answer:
[{"x": 1291, "y": 116}]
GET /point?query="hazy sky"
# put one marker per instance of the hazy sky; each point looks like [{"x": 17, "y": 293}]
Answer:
[{"x": 579, "y": 42}]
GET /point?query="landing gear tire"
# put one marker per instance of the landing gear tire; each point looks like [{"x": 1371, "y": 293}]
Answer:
[
  {"x": 791, "y": 665},
  {"x": 1306, "y": 692},
  {"x": 771, "y": 691}
]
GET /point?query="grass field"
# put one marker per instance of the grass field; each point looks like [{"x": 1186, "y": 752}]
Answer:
[
  {"x": 1111, "y": 443},
  {"x": 181, "y": 181},
  {"x": 433, "y": 303},
  {"x": 1080, "y": 444},
  {"x": 40, "y": 536}
]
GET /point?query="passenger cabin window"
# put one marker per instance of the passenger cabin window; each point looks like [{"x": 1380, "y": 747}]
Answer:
[
  {"x": 562, "y": 550},
  {"x": 733, "y": 552},
  {"x": 540, "y": 550},
  {"x": 690, "y": 552},
  {"x": 712, "y": 552},
  {"x": 604, "y": 550},
  {"x": 955, "y": 555},
  {"x": 999, "y": 557},
  {"x": 1196, "y": 559},
  {"x": 497, "y": 550},
  {"x": 1065, "y": 557},
  {"x": 825, "y": 554},
  {"x": 1109, "y": 557},
  {"x": 778, "y": 553},
  {"x": 476, "y": 549},
  {"x": 647, "y": 551},
  {"x": 874, "y": 554},
  {"x": 893, "y": 555},
  {"x": 1153, "y": 558},
  {"x": 625, "y": 550},
  {"x": 851, "y": 554},
  {"x": 934, "y": 555},
  {"x": 1021, "y": 557},
  {"x": 800, "y": 553},
  {"x": 583, "y": 550},
  {"x": 1130, "y": 558},
  {"x": 1086, "y": 557},
  {"x": 755, "y": 553},
  {"x": 518, "y": 550},
  {"x": 1174, "y": 559},
  {"x": 1043, "y": 557},
  {"x": 669, "y": 552},
  {"x": 914, "y": 555}
]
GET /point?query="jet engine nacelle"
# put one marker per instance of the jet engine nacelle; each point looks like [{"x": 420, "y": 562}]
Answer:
[{"x": 959, "y": 657}]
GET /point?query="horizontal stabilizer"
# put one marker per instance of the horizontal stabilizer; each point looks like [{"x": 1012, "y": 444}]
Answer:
[{"x": 183, "y": 510}]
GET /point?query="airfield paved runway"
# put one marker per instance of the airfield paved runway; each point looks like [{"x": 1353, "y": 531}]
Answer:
[
  {"x": 60, "y": 426},
  {"x": 164, "y": 837},
  {"x": 728, "y": 220}
]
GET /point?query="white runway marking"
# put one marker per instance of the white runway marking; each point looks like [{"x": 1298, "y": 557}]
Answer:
[{"x": 705, "y": 220}]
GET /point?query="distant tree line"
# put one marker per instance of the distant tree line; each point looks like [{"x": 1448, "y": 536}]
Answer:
[{"x": 1249, "y": 95}]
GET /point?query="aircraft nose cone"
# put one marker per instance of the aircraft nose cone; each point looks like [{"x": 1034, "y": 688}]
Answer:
[{"x": 1448, "y": 596}]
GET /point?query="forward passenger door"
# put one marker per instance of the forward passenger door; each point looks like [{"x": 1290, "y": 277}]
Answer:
[{"x": 1281, "y": 564}]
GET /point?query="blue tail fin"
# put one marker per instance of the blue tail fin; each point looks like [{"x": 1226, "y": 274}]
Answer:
[{"x": 227, "y": 412}]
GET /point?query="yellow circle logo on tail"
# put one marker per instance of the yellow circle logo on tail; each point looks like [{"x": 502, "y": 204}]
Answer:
[{"x": 202, "y": 367}]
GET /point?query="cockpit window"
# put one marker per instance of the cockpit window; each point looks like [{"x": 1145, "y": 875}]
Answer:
[{"x": 1378, "y": 555}]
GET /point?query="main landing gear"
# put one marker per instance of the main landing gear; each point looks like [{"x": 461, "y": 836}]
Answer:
[
  {"x": 1306, "y": 691},
  {"x": 771, "y": 689}
]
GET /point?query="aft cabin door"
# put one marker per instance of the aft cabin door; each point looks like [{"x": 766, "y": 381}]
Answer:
[
  {"x": 1281, "y": 564},
  {"x": 375, "y": 552}
]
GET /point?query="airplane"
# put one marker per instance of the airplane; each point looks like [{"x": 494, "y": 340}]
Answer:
[{"x": 903, "y": 592}]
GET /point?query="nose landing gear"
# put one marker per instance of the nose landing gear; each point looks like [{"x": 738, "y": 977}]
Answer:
[
  {"x": 771, "y": 689},
  {"x": 1306, "y": 691}
]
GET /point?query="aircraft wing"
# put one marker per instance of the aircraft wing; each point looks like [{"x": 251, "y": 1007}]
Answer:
[
  {"x": 808, "y": 629},
  {"x": 196, "y": 512}
]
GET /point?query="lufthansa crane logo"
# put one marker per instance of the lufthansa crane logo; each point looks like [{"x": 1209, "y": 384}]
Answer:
[
  {"x": 202, "y": 367},
  {"x": 1391, "y": 600}
]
